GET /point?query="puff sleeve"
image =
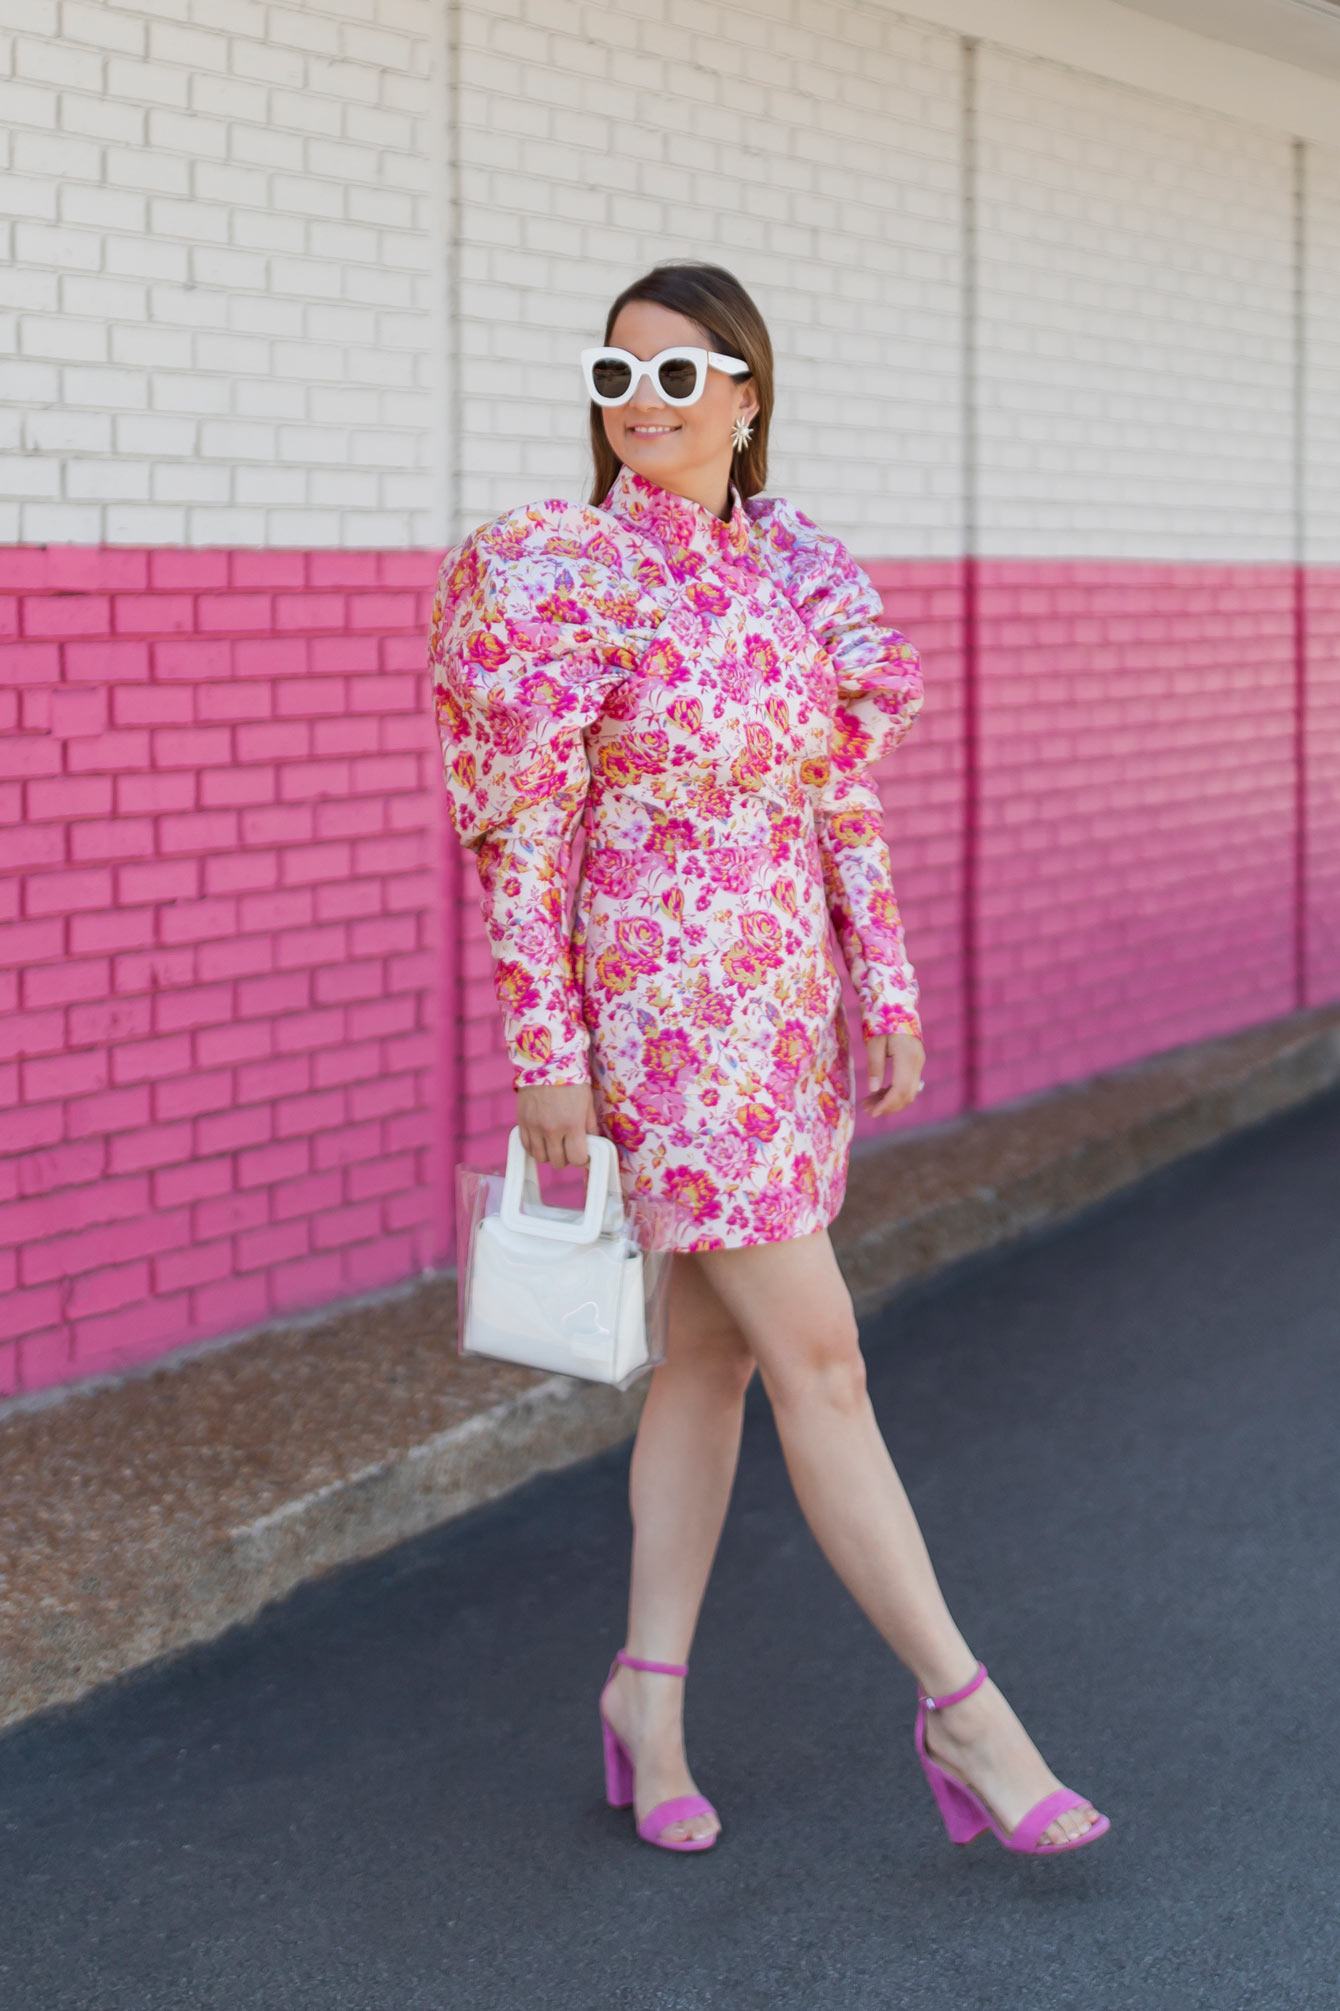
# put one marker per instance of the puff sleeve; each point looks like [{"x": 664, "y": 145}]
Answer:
[
  {"x": 879, "y": 693},
  {"x": 534, "y": 623}
]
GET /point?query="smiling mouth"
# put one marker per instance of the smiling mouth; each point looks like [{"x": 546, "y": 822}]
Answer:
[{"x": 651, "y": 429}]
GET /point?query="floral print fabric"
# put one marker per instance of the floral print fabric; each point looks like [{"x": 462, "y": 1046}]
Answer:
[{"x": 703, "y": 700}]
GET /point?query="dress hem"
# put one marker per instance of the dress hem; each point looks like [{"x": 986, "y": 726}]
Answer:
[{"x": 818, "y": 1219}]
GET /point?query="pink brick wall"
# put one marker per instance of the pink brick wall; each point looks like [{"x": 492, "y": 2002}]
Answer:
[
  {"x": 1136, "y": 849},
  {"x": 221, "y": 945},
  {"x": 249, "y": 1020}
]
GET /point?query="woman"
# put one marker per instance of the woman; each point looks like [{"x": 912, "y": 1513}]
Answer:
[{"x": 696, "y": 675}]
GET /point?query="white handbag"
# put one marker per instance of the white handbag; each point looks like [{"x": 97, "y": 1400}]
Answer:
[{"x": 560, "y": 1289}]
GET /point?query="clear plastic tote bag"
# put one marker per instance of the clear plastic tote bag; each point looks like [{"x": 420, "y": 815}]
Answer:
[{"x": 579, "y": 1292}]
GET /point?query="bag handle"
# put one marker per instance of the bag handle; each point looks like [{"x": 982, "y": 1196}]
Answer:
[{"x": 521, "y": 1174}]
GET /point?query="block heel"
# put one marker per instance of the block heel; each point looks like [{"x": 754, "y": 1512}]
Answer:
[
  {"x": 618, "y": 1768},
  {"x": 963, "y": 1816}
]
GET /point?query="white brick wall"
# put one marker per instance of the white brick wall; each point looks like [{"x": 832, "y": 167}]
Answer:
[
  {"x": 810, "y": 147},
  {"x": 1136, "y": 323},
  {"x": 218, "y": 294},
  {"x": 224, "y": 300},
  {"x": 1323, "y": 357}
]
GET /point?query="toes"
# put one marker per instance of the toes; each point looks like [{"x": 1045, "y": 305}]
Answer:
[
  {"x": 693, "y": 1829},
  {"x": 1074, "y": 1823}
]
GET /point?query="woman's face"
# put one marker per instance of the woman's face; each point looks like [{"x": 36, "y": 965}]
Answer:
[{"x": 684, "y": 448}]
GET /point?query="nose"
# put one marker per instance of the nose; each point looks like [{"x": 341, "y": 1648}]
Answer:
[{"x": 646, "y": 397}]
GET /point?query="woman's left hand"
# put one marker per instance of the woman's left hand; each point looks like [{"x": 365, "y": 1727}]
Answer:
[{"x": 894, "y": 1062}]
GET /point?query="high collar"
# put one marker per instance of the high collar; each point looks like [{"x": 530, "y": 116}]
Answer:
[{"x": 680, "y": 527}]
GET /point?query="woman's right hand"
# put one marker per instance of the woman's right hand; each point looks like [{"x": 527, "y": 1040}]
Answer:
[{"x": 555, "y": 1121}]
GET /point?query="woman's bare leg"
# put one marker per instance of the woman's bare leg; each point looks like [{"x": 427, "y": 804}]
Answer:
[
  {"x": 688, "y": 1445},
  {"x": 790, "y": 1303}
]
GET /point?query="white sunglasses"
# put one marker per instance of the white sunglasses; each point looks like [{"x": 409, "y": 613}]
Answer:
[{"x": 678, "y": 375}]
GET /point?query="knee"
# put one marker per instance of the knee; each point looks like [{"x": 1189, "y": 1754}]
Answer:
[
  {"x": 825, "y": 1369},
  {"x": 734, "y": 1377},
  {"x": 718, "y": 1364},
  {"x": 733, "y": 1369}
]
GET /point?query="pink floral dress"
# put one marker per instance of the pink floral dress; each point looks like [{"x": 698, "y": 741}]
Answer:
[{"x": 703, "y": 699}]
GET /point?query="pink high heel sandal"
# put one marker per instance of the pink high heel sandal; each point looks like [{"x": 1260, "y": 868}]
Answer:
[
  {"x": 619, "y": 1773},
  {"x": 966, "y": 1814}
]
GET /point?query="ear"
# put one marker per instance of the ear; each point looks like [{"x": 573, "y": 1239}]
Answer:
[{"x": 746, "y": 401}]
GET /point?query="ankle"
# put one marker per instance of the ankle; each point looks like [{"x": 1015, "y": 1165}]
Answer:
[
  {"x": 656, "y": 1702},
  {"x": 658, "y": 1664},
  {"x": 949, "y": 1677}
]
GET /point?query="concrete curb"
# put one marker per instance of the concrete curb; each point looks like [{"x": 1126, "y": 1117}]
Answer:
[
  {"x": 264, "y": 1464},
  {"x": 192, "y": 1584},
  {"x": 550, "y": 1425}
]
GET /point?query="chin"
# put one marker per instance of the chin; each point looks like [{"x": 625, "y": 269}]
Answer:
[{"x": 653, "y": 461}]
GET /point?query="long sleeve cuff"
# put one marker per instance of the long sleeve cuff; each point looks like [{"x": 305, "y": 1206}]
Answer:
[
  {"x": 896, "y": 1013},
  {"x": 542, "y": 1025},
  {"x": 550, "y": 1071}
]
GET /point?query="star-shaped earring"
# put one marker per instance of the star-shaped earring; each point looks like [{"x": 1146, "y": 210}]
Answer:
[{"x": 741, "y": 434}]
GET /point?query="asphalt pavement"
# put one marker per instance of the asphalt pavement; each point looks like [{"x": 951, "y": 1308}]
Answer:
[{"x": 1123, "y": 1439}]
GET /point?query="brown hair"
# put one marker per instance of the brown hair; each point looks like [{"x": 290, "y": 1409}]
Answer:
[{"x": 715, "y": 299}]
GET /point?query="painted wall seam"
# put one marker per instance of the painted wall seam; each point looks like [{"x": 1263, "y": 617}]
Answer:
[
  {"x": 971, "y": 540},
  {"x": 1300, "y": 540}
]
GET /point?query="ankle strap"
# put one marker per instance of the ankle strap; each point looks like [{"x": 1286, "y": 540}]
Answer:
[
  {"x": 654, "y": 1668},
  {"x": 956, "y": 1696}
]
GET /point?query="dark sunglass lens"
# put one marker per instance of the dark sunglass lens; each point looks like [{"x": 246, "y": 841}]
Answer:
[
  {"x": 678, "y": 375},
  {"x": 611, "y": 378}
]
